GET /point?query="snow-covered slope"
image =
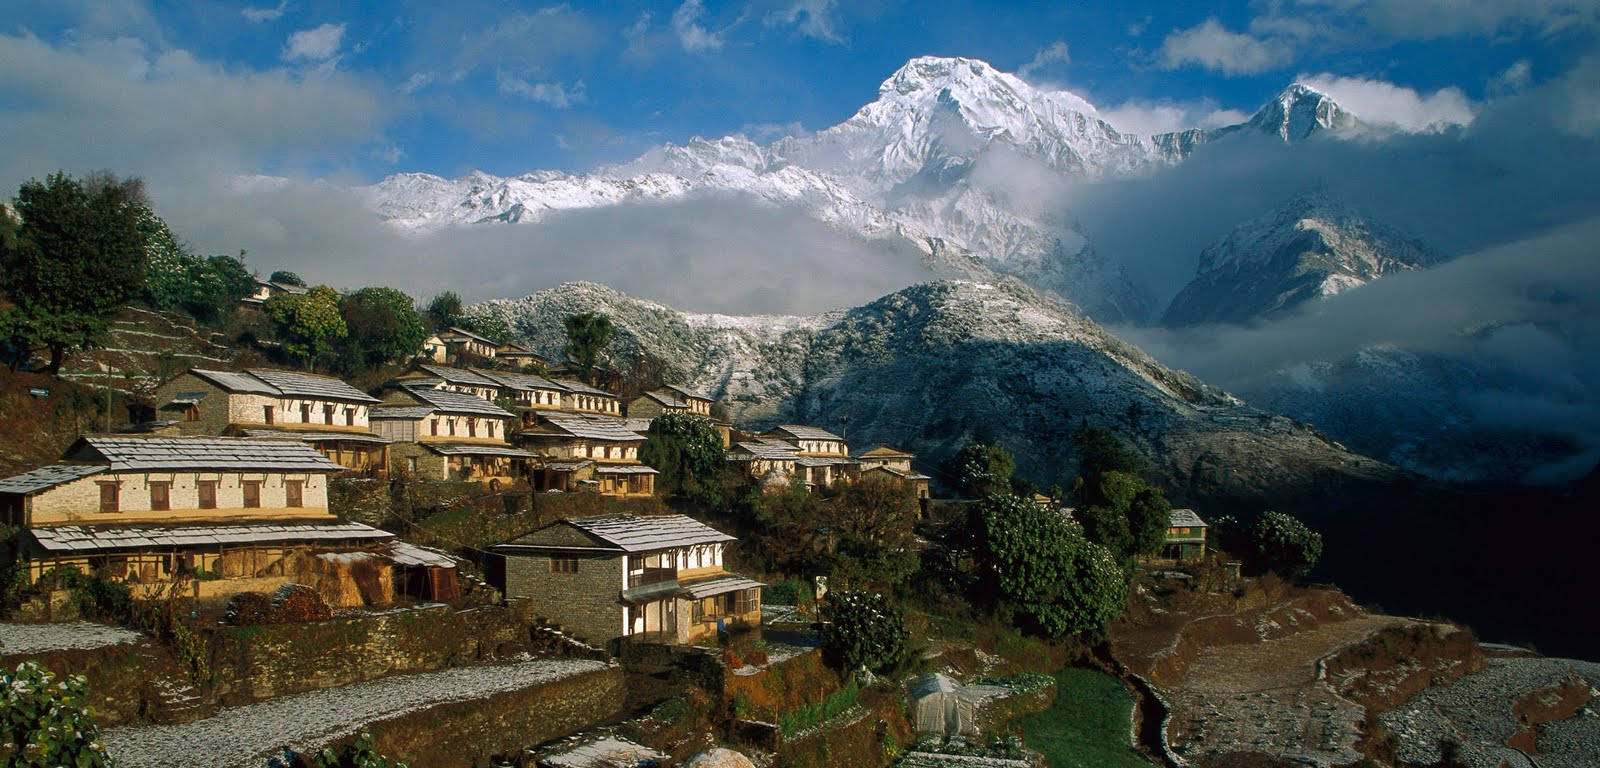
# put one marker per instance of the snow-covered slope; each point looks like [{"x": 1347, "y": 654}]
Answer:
[
  {"x": 953, "y": 156},
  {"x": 927, "y": 367},
  {"x": 1311, "y": 247}
]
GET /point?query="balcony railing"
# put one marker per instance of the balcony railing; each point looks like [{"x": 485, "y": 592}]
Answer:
[{"x": 648, "y": 576}]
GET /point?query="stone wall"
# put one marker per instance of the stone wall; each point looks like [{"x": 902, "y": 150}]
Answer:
[
  {"x": 470, "y": 733},
  {"x": 586, "y": 604}
]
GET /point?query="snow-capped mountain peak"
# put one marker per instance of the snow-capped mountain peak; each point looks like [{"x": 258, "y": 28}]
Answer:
[{"x": 1299, "y": 111}]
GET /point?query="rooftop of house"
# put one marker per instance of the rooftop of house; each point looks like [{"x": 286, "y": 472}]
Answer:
[
  {"x": 633, "y": 533},
  {"x": 612, "y": 430},
  {"x": 762, "y": 449},
  {"x": 94, "y": 455},
  {"x": 446, "y": 401},
  {"x": 1186, "y": 518},
  {"x": 686, "y": 392},
  {"x": 319, "y": 436},
  {"x": 460, "y": 376},
  {"x": 885, "y": 452},
  {"x": 285, "y": 287},
  {"x": 456, "y": 331},
  {"x": 474, "y": 449},
  {"x": 525, "y": 382},
  {"x": 79, "y": 538},
  {"x": 802, "y": 432},
  {"x": 900, "y": 473},
  {"x": 265, "y": 381}
]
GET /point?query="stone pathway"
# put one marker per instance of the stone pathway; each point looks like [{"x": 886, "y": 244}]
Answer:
[
  {"x": 244, "y": 737},
  {"x": 79, "y": 635}
]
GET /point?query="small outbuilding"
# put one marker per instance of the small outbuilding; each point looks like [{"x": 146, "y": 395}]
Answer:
[{"x": 941, "y": 705}]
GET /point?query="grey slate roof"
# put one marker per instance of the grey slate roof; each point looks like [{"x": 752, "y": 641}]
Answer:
[
  {"x": 769, "y": 451},
  {"x": 521, "y": 381},
  {"x": 802, "y": 432},
  {"x": 236, "y": 382},
  {"x": 566, "y": 466},
  {"x": 295, "y": 384},
  {"x": 1186, "y": 518},
  {"x": 823, "y": 461},
  {"x": 667, "y": 398},
  {"x": 464, "y": 332},
  {"x": 468, "y": 449},
  {"x": 594, "y": 429},
  {"x": 39, "y": 479},
  {"x": 686, "y": 392},
  {"x": 718, "y": 585},
  {"x": 624, "y": 469},
  {"x": 125, "y": 454},
  {"x": 399, "y": 411},
  {"x": 900, "y": 473},
  {"x": 581, "y": 388},
  {"x": 458, "y": 402},
  {"x": 460, "y": 376},
  {"x": 636, "y": 533},
  {"x": 78, "y": 538},
  {"x": 189, "y": 398},
  {"x": 406, "y": 553},
  {"x": 316, "y": 437}
]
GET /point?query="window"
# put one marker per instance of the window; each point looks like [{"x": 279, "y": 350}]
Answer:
[
  {"x": 160, "y": 495},
  {"x": 433, "y": 427},
  {"x": 491, "y": 429},
  {"x": 305, "y": 413},
  {"x": 452, "y": 423},
  {"x": 349, "y": 417},
  {"x": 108, "y": 497},
  {"x": 208, "y": 494},
  {"x": 266, "y": 414},
  {"x": 472, "y": 427},
  {"x": 327, "y": 414},
  {"x": 191, "y": 413},
  {"x": 563, "y": 565},
  {"x": 252, "y": 494},
  {"x": 411, "y": 464},
  {"x": 292, "y": 492}
]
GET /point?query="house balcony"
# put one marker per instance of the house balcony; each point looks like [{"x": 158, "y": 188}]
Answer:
[{"x": 648, "y": 576}]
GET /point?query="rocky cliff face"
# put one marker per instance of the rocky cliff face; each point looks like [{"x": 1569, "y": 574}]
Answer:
[{"x": 931, "y": 366}]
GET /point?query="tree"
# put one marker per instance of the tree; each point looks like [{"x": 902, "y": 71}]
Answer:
[
  {"x": 1101, "y": 451},
  {"x": 1285, "y": 545},
  {"x": 286, "y": 277},
  {"x": 789, "y": 532},
  {"x": 688, "y": 453},
  {"x": 308, "y": 324},
  {"x": 1125, "y": 513},
  {"x": 487, "y": 326},
  {"x": 980, "y": 468},
  {"x": 588, "y": 335},
  {"x": 862, "y": 630},
  {"x": 1039, "y": 565},
  {"x": 871, "y": 525},
  {"x": 382, "y": 324},
  {"x": 443, "y": 311},
  {"x": 78, "y": 255},
  {"x": 45, "y": 723}
]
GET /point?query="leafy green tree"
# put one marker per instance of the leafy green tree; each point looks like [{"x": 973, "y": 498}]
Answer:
[
  {"x": 588, "y": 335},
  {"x": 382, "y": 324},
  {"x": 308, "y": 324},
  {"x": 286, "y": 277},
  {"x": 1101, "y": 451},
  {"x": 1285, "y": 545},
  {"x": 1037, "y": 563},
  {"x": 871, "y": 528},
  {"x": 980, "y": 468},
  {"x": 1125, "y": 513},
  {"x": 77, "y": 256},
  {"x": 488, "y": 326},
  {"x": 45, "y": 723},
  {"x": 789, "y": 532},
  {"x": 688, "y": 453},
  {"x": 862, "y": 630},
  {"x": 443, "y": 311}
]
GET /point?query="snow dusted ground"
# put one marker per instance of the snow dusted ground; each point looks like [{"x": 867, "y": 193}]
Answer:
[
  {"x": 243, "y": 737},
  {"x": 37, "y": 638}
]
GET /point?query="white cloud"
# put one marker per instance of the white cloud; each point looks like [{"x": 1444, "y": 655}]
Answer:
[
  {"x": 1054, "y": 53},
  {"x": 554, "y": 94},
  {"x": 1147, "y": 118},
  {"x": 315, "y": 44},
  {"x": 1212, "y": 46},
  {"x": 1433, "y": 19},
  {"x": 1382, "y": 103},
  {"x": 1514, "y": 79},
  {"x": 257, "y": 15},
  {"x": 814, "y": 18},
  {"x": 686, "y": 25}
]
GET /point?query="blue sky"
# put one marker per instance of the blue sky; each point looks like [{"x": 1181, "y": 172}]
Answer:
[{"x": 356, "y": 91}]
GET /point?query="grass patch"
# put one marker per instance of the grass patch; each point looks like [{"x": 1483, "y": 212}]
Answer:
[
  {"x": 812, "y": 715},
  {"x": 1087, "y": 726}
]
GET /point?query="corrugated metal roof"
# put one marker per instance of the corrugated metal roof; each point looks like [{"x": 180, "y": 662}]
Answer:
[
  {"x": 625, "y": 469},
  {"x": 142, "y": 453},
  {"x": 636, "y": 533},
  {"x": 399, "y": 411},
  {"x": 316, "y": 437},
  {"x": 460, "y": 376},
  {"x": 458, "y": 402},
  {"x": 718, "y": 585},
  {"x": 296, "y": 384},
  {"x": 77, "y": 538},
  {"x": 464, "y": 449},
  {"x": 802, "y": 432},
  {"x": 48, "y": 477},
  {"x": 235, "y": 382},
  {"x": 1186, "y": 518}
]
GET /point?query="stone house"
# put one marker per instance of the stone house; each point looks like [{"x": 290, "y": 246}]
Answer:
[
  {"x": 519, "y": 357},
  {"x": 460, "y": 380},
  {"x": 266, "y": 289},
  {"x": 823, "y": 458},
  {"x": 670, "y": 399},
  {"x": 323, "y": 411},
  {"x": 235, "y": 514},
  {"x": 454, "y": 343},
  {"x": 438, "y": 434},
  {"x": 772, "y": 463},
  {"x": 587, "y": 451},
  {"x": 1186, "y": 536},
  {"x": 524, "y": 390},
  {"x": 895, "y": 465},
  {"x": 657, "y": 578}
]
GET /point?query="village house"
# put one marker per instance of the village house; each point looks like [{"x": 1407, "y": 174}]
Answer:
[
  {"x": 439, "y": 434},
  {"x": 822, "y": 457},
  {"x": 527, "y": 391},
  {"x": 772, "y": 463},
  {"x": 587, "y": 451},
  {"x": 522, "y": 389},
  {"x": 325, "y": 412},
  {"x": 1186, "y": 536},
  {"x": 519, "y": 357},
  {"x": 453, "y": 379},
  {"x": 453, "y": 344},
  {"x": 895, "y": 465},
  {"x": 642, "y": 578},
  {"x": 670, "y": 399},
  {"x": 266, "y": 289},
  {"x": 232, "y": 514}
]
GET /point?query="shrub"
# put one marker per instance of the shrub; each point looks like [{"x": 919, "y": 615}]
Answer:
[
  {"x": 864, "y": 630},
  {"x": 47, "y": 723},
  {"x": 1285, "y": 545},
  {"x": 817, "y": 713},
  {"x": 362, "y": 754}
]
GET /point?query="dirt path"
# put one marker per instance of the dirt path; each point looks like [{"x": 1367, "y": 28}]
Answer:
[{"x": 1290, "y": 662}]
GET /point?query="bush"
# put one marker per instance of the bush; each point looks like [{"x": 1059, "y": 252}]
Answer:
[
  {"x": 1285, "y": 545},
  {"x": 1039, "y": 565},
  {"x": 46, "y": 723},
  {"x": 362, "y": 754},
  {"x": 864, "y": 630}
]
